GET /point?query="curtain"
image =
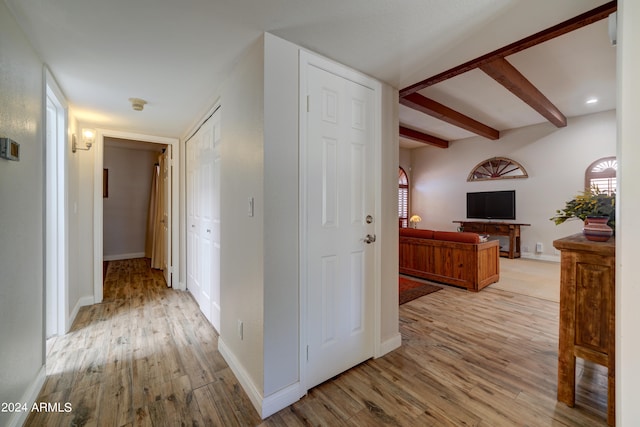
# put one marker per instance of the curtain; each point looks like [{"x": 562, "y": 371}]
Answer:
[
  {"x": 156, "y": 218},
  {"x": 153, "y": 201}
]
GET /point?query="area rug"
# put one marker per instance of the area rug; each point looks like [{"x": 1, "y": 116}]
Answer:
[{"x": 411, "y": 289}]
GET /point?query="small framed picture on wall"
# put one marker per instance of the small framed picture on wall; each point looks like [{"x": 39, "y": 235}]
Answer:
[{"x": 105, "y": 183}]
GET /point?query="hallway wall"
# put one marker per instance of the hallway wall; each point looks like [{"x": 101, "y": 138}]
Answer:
[{"x": 21, "y": 217}]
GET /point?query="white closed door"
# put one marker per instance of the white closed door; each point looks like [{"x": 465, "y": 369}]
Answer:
[
  {"x": 194, "y": 215},
  {"x": 340, "y": 206},
  {"x": 203, "y": 218}
]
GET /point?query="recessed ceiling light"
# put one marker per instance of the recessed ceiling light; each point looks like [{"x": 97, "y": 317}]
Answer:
[{"x": 592, "y": 100}]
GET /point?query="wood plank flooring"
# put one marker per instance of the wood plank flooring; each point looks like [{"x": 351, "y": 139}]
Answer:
[{"x": 146, "y": 356}]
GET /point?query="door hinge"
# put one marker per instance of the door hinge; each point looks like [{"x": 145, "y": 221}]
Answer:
[
  {"x": 307, "y": 353},
  {"x": 308, "y": 103}
]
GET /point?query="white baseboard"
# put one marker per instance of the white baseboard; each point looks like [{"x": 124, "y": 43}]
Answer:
[
  {"x": 83, "y": 301},
  {"x": 389, "y": 345},
  {"x": 29, "y": 397},
  {"x": 241, "y": 374},
  {"x": 265, "y": 406},
  {"x": 540, "y": 257},
  {"x": 281, "y": 399},
  {"x": 123, "y": 256}
]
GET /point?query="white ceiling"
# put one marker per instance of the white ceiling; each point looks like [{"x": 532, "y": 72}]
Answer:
[{"x": 174, "y": 54}]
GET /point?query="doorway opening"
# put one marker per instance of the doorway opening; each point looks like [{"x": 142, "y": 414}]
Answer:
[
  {"x": 135, "y": 194},
  {"x": 104, "y": 182}
]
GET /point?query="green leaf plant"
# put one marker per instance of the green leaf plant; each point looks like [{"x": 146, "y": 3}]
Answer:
[{"x": 588, "y": 204}]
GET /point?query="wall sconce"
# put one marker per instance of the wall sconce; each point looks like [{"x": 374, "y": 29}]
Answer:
[{"x": 88, "y": 138}]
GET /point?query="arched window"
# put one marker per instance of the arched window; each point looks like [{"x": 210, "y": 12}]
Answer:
[
  {"x": 602, "y": 175},
  {"x": 403, "y": 198}
]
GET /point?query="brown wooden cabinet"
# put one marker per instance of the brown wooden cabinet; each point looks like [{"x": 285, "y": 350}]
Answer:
[
  {"x": 510, "y": 229},
  {"x": 471, "y": 265},
  {"x": 587, "y": 312}
]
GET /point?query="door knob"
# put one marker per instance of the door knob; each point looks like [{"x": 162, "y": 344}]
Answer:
[{"x": 370, "y": 239}]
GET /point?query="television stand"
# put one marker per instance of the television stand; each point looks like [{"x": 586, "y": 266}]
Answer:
[{"x": 510, "y": 229}]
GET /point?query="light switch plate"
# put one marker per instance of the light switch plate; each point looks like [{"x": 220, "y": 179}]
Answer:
[{"x": 9, "y": 149}]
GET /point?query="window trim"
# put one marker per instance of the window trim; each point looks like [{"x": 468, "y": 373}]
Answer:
[
  {"x": 609, "y": 173},
  {"x": 403, "y": 221}
]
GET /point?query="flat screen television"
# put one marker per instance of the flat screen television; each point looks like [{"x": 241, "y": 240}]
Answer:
[{"x": 492, "y": 205}]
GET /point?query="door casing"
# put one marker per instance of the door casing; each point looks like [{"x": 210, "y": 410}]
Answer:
[{"x": 56, "y": 225}]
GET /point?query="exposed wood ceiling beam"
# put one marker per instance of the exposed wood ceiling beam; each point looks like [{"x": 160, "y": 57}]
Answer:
[
  {"x": 446, "y": 114},
  {"x": 507, "y": 75},
  {"x": 423, "y": 137},
  {"x": 567, "y": 26}
]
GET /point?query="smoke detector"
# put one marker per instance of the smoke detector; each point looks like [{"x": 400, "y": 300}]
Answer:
[{"x": 137, "y": 103}]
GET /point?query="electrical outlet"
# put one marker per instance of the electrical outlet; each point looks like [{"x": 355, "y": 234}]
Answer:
[
  {"x": 539, "y": 248},
  {"x": 240, "y": 329}
]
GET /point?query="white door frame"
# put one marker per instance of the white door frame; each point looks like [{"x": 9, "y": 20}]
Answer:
[
  {"x": 306, "y": 59},
  {"x": 56, "y": 225},
  {"x": 98, "y": 207}
]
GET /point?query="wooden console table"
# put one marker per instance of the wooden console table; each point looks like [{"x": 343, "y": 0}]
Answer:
[
  {"x": 587, "y": 313},
  {"x": 497, "y": 229}
]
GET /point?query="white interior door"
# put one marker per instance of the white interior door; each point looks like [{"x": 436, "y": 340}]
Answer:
[
  {"x": 194, "y": 215},
  {"x": 339, "y": 199},
  {"x": 203, "y": 218}
]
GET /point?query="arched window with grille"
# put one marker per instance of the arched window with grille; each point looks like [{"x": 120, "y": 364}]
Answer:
[
  {"x": 601, "y": 174},
  {"x": 403, "y": 198}
]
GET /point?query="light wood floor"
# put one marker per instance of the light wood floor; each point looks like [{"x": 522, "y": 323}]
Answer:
[
  {"x": 540, "y": 279},
  {"x": 146, "y": 356}
]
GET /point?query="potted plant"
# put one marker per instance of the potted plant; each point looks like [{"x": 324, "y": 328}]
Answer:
[{"x": 595, "y": 208}]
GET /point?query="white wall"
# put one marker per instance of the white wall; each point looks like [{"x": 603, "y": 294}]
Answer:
[
  {"x": 555, "y": 159},
  {"x": 80, "y": 290},
  {"x": 281, "y": 226},
  {"x": 405, "y": 160},
  {"x": 628, "y": 227},
  {"x": 84, "y": 161},
  {"x": 388, "y": 240},
  {"x": 21, "y": 217},
  {"x": 126, "y": 208},
  {"x": 242, "y": 237}
]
